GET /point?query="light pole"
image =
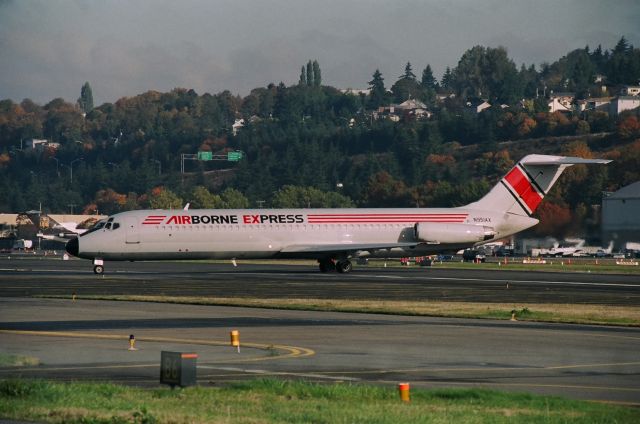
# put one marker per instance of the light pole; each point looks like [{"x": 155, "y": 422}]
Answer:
[
  {"x": 71, "y": 167},
  {"x": 57, "y": 163}
]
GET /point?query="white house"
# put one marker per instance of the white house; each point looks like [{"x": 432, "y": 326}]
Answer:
[
  {"x": 622, "y": 103},
  {"x": 630, "y": 90},
  {"x": 561, "y": 102},
  {"x": 595, "y": 103},
  {"x": 34, "y": 143},
  {"x": 239, "y": 123},
  {"x": 478, "y": 105}
]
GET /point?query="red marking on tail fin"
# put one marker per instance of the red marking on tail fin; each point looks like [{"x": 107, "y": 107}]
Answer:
[{"x": 521, "y": 184}]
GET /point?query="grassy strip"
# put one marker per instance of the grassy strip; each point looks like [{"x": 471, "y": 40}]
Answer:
[
  {"x": 18, "y": 361},
  {"x": 280, "y": 401},
  {"x": 561, "y": 313},
  {"x": 552, "y": 265},
  {"x": 586, "y": 265}
]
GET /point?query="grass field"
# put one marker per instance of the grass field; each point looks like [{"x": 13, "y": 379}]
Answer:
[
  {"x": 17, "y": 360},
  {"x": 279, "y": 401},
  {"x": 564, "y": 313}
]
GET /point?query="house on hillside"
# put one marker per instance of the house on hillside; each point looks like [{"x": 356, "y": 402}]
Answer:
[
  {"x": 478, "y": 105},
  {"x": 561, "y": 102},
  {"x": 595, "y": 103},
  {"x": 356, "y": 91},
  {"x": 622, "y": 103},
  {"x": 413, "y": 108},
  {"x": 39, "y": 144},
  {"x": 630, "y": 90}
]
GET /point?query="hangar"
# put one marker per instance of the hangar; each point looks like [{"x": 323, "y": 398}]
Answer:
[{"x": 621, "y": 216}]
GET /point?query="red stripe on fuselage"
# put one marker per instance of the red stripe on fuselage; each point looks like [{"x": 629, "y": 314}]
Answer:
[
  {"x": 523, "y": 187},
  {"x": 383, "y": 218}
]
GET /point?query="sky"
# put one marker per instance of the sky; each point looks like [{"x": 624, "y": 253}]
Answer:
[{"x": 48, "y": 49}]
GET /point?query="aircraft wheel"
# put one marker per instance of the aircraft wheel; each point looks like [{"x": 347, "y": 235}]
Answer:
[
  {"x": 326, "y": 265},
  {"x": 98, "y": 269},
  {"x": 344, "y": 266}
]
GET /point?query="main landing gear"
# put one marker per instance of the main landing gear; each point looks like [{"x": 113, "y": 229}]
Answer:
[
  {"x": 343, "y": 266},
  {"x": 98, "y": 266}
]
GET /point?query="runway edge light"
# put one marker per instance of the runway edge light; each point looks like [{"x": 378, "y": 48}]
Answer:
[
  {"x": 235, "y": 339},
  {"x": 132, "y": 342},
  {"x": 403, "y": 389}
]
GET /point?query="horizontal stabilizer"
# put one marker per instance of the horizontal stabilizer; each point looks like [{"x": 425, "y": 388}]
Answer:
[{"x": 560, "y": 160}]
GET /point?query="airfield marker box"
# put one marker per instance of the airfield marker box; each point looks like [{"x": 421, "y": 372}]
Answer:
[{"x": 178, "y": 368}]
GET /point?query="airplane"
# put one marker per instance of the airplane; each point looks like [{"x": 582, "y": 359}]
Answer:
[
  {"x": 50, "y": 229},
  {"x": 598, "y": 251},
  {"x": 565, "y": 250},
  {"x": 331, "y": 236}
]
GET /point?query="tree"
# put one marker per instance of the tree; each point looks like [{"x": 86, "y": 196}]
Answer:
[
  {"x": 377, "y": 94},
  {"x": 487, "y": 73},
  {"x": 317, "y": 77},
  {"x": 85, "y": 101},
  {"x": 303, "y": 77},
  {"x": 309, "y": 197},
  {"x": 310, "y": 77},
  {"x": 162, "y": 198},
  {"x": 447, "y": 79},
  {"x": 201, "y": 198},
  {"x": 233, "y": 199},
  {"x": 428, "y": 81},
  {"x": 406, "y": 87}
]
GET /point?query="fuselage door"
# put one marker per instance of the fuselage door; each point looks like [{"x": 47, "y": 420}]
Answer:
[{"x": 132, "y": 235}]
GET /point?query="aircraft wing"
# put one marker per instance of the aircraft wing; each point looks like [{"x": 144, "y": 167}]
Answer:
[{"x": 344, "y": 247}]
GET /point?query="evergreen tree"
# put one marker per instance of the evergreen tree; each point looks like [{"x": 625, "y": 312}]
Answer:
[
  {"x": 303, "y": 77},
  {"x": 447, "y": 79},
  {"x": 85, "y": 101},
  {"x": 406, "y": 87},
  {"x": 317, "y": 78},
  {"x": 408, "y": 73},
  {"x": 310, "y": 74},
  {"x": 428, "y": 80},
  {"x": 378, "y": 94}
]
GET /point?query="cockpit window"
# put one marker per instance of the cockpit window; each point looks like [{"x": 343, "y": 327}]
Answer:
[
  {"x": 115, "y": 226},
  {"x": 108, "y": 226},
  {"x": 99, "y": 225}
]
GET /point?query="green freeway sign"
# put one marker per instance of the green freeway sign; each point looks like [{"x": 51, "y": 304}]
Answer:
[
  {"x": 205, "y": 156},
  {"x": 234, "y": 156}
]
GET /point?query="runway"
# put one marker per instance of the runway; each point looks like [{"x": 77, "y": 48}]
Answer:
[
  {"x": 89, "y": 339},
  {"x": 44, "y": 276}
]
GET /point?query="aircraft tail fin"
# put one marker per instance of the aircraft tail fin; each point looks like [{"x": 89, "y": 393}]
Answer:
[{"x": 525, "y": 185}]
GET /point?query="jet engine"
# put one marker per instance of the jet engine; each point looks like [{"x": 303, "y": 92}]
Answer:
[{"x": 434, "y": 232}]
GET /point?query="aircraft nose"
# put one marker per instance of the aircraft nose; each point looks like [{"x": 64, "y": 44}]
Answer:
[{"x": 72, "y": 247}]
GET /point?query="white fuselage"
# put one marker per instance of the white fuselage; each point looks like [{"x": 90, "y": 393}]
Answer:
[{"x": 283, "y": 233}]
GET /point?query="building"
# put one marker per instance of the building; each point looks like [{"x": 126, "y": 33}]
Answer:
[
  {"x": 620, "y": 212},
  {"x": 561, "y": 102},
  {"x": 478, "y": 105},
  {"x": 622, "y": 103},
  {"x": 39, "y": 144},
  {"x": 596, "y": 103},
  {"x": 630, "y": 90}
]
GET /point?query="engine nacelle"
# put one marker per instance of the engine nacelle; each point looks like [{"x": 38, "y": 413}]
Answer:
[{"x": 435, "y": 232}]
